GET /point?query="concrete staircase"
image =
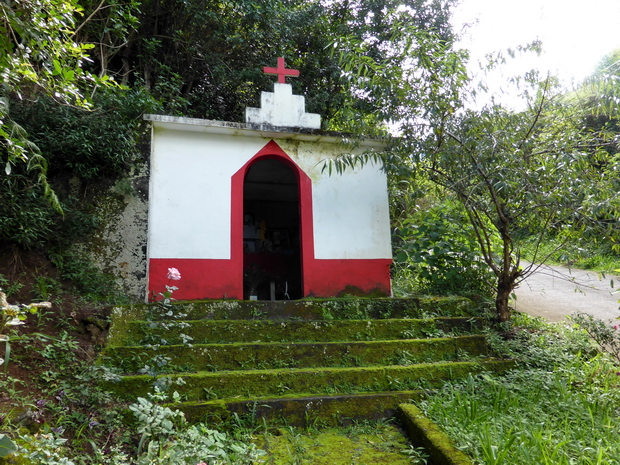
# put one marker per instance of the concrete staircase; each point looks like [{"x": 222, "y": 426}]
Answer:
[{"x": 295, "y": 362}]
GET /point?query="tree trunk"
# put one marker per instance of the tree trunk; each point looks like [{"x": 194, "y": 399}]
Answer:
[{"x": 505, "y": 286}]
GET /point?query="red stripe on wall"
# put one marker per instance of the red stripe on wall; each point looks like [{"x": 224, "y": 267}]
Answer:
[
  {"x": 328, "y": 278},
  {"x": 200, "y": 278},
  {"x": 211, "y": 279}
]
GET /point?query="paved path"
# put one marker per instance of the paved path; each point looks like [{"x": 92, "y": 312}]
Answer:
[{"x": 554, "y": 292}]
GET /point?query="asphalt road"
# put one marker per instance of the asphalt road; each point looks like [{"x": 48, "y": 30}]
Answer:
[{"x": 554, "y": 292}]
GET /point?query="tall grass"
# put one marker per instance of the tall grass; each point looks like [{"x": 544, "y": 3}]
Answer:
[{"x": 559, "y": 407}]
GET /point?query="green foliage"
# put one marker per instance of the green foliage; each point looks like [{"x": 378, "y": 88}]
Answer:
[
  {"x": 560, "y": 408},
  {"x": 532, "y": 170},
  {"x": 26, "y": 218},
  {"x": 597, "y": 253},
  {"x": 44, "y": 449},
  {"x": 170, "y": 441},
  {"x": 21, "y": 148},
  {"x": 81, "y": 146},
  {"x": 521, "y": 170},
  {"x": 166, "y": 316},
  {"x": 597, "y": 98},
  {"x": 71, "y": 404},
  {"x": 205, "y": 59},
  {"x": 30, "y": 222},
  {"x": 439, "y": 247},
  {"x": 46, "y": 288},
  {"x": 87, "y": 279},
  {"x": 86, "y": 144},
  {"x": 415, "y": 82},
  {"x": 7, "y": 447},
  {"x": 10, "y": 286},
  {"x": 108, "y": 26},
  {"x": 38, "y": 50},
  {"x": 38, "y": 56},
  {"x": 154, "y": 421},
  {"x": 606, "y": 336}
]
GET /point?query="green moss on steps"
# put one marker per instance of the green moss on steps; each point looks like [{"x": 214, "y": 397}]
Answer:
[
  {"x": 121, "y": 317},
  {"x": 241, "y": 356},
  {"x": 236, "y": 331},
  {"x": 373, "y": 444},
  {"x": 199, "y": 386},
  {"x": 304, "y": 362},
  {"x": 318, "y": 308},
  {"x": 423, "y": 432},
  {"x": 304, "y": 411}
]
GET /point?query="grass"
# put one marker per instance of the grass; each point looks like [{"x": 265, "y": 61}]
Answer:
[
  {"x": 559, "y": 407},
  {"x": 578, "y": 253}
]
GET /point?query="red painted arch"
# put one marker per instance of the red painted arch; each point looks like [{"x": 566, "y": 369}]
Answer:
[{"x": 271, "y": 151}]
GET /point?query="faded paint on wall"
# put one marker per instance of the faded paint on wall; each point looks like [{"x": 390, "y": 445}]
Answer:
[{"x": 119, "y": 246}]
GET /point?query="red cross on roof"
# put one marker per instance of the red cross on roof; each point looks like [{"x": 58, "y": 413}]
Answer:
[{"x": 281, "y": 71}]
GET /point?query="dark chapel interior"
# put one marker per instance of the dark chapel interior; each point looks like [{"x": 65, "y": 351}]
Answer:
[{"x": 271, "y": 232}]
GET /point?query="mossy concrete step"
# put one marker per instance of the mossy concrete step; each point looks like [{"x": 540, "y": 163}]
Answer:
[
  {"x": 266, "y": 383},
  {"x": 234, "y": 331},
  {"x": 300, "y": 411},
  {"x": 218, "y": 357},
  {"x": 328, "y": 309},
  {"x": 314, "y": 309}
]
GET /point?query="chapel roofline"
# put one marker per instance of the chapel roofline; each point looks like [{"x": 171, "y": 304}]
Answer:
[{"x": 265, "y": 131}]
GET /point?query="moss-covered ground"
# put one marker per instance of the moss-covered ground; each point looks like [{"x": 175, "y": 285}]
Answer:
[{"x": 365, "y": 444}]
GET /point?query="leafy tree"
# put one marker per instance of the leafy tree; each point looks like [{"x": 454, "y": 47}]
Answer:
[
  {"x": 510, "y": 170},
  {"x": 437, "y": 252},
  {"x": 39, "y": 56},
  {"x": 597, "y": 102},
  {"x": 205, "y": 58},
  {"x": 600, "y": 93},
  {"x": 528, "y": 170},
  {"x": 37, "y": 51}
]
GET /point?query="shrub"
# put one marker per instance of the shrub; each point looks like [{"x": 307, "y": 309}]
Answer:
[{"x": 438, "y": 248}]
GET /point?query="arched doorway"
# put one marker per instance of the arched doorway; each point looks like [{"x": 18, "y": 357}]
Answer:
[{"x": 271, "y": 231}]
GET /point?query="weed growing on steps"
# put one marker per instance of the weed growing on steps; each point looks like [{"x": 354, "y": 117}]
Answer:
[
  {"x": 559, "y": 408},
  {"x": 164, "y": 316}
]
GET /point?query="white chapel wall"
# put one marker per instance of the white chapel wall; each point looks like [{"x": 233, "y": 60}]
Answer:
[
  {"x": 351, "y": 211},
  {"x": 190, "y": 192},
  {"x": 190, "y": 197}
]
